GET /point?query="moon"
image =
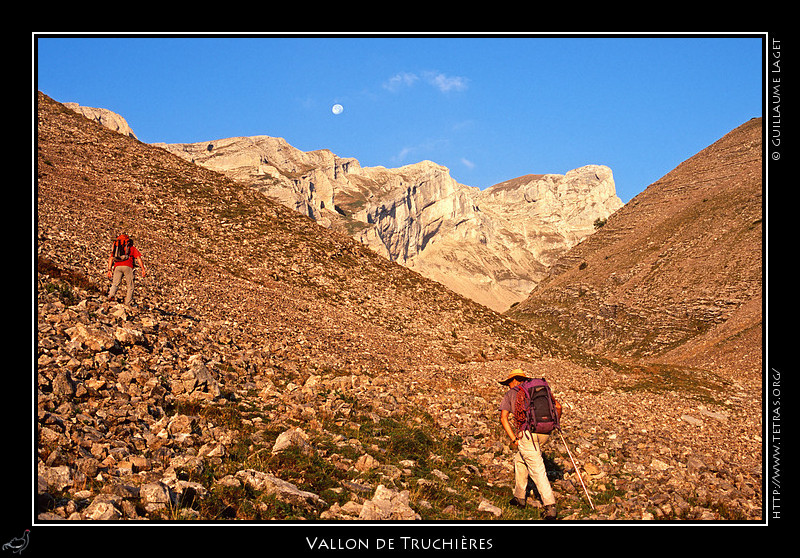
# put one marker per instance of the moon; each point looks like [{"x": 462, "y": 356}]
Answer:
[{"x": 337, "y": 109}]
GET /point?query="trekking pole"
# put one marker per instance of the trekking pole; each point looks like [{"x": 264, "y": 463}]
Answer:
[{"x": 580, "y": 477}]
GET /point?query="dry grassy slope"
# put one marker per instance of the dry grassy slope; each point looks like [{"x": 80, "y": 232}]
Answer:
[
  {"x": 217, "y": 248},
  {"x": 676, "y": 274}
]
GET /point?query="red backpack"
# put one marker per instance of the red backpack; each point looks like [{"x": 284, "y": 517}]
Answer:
[{"x": 121, "y": 249}]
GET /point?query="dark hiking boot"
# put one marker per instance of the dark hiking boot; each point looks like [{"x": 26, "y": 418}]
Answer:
[
  {"x": 516, "y": 502},
  {"x": 550, "y": 513}
]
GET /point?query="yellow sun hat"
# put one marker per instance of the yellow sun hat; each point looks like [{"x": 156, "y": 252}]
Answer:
[{"x": 517, "y": 373}]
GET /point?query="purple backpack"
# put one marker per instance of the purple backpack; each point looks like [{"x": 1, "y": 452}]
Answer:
[{"x": 535, "y": 407}]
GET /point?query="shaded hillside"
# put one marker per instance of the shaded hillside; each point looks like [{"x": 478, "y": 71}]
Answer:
[{"x": 676, "y": 274}]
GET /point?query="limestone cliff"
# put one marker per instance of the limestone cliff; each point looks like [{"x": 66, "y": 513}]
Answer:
[
  {"x": 518, "y": 229},
  {"x": 492, "y": 246},
  {"x": 107, "y": 118}
]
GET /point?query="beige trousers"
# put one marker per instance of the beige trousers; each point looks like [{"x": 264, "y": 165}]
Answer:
[
  {"x": 528, "y": 462},
  {"x": 119, "y": 272}
]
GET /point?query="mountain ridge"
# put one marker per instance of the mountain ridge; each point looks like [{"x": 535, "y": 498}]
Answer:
[{"x": 491, "y": 246}]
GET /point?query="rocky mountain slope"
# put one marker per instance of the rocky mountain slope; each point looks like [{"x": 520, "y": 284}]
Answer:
[
  {"x": 676, "y": 275},
  {"x": 271, "y": 368},
  {"x": 491, "y": 246}
]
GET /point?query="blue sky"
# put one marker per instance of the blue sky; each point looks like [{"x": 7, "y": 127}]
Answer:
[{"x": 488, "y": 108}]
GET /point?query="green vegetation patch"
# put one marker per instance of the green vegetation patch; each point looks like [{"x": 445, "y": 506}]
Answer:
[{"x": 660, "y": 378}]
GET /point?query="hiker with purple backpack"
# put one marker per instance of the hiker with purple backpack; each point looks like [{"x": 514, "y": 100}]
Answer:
[{"x": 528, "y": 413}]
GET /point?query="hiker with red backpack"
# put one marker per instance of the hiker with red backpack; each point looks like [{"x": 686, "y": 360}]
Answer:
[
  {"x": 528, "y": 413},
  {"x": 122, "y": 261}
]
